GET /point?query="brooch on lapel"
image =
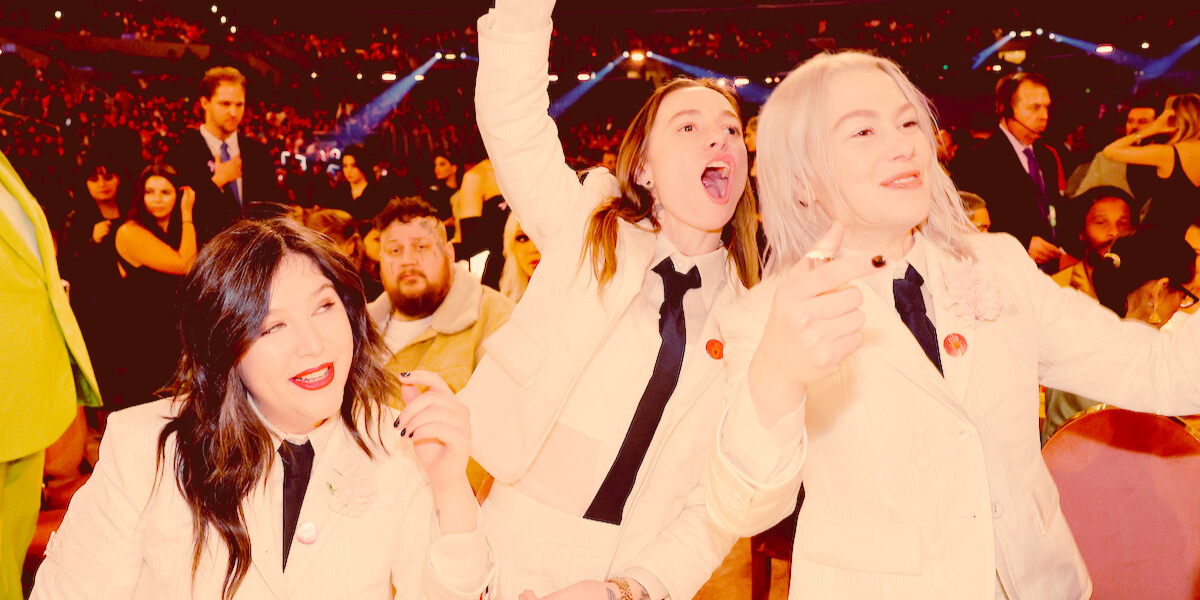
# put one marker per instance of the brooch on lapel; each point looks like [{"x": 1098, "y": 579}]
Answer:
[
  {"x": 212, "y": 166},
  {"x": 352, "y": 484},
  {"x": 973, "y": 290},
  {"x": 715, "y": 349}
]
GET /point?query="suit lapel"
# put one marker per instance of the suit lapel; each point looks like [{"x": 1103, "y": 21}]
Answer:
[
  {"x": 318, "y": 507},
  {"x": 8, "y": 231},
  {"x": 699, "y": 365},
  {"x": 957, "y": 369},
  {"x": 886, "y": 337},
  {"x": 264, "y": 521}
]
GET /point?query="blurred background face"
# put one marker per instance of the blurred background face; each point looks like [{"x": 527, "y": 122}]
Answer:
[
  {"x": 350, "y": 170},
  {"x": 609, "y": 161},
  {"x": 1138, "y": 119},
  {"x": 102, "y": 185},
  {"x": 526, "y": 253},
  {"x": 1107, "y": 220},
  {"x": 414, "y": 267},
  {"x": 443, "y": 169},
  {"x": 1031, "y": 108},
  {"x": 159, "y": 196},
  {"x": 981, "y": 220},
  {"x": 224, "y": 111}
]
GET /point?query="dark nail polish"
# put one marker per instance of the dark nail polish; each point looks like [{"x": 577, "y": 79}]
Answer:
[
  {"x": 410, "y": 434},
  {"x": 403, "y": 431},
  {"x": 397, "y": 424},
  {"x": 879, "y": 261},
  {"x": 405, "y": 374}
]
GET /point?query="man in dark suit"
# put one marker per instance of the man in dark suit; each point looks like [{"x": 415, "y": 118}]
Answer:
[
  {"x": 1015, "y": 172},
  {"x": 227, "y": 171}
]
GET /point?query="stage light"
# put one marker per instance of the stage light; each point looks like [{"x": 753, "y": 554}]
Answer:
[
  {"x": 214, "y": 9},
  {"x": 58, "y": 14},
  {"x": 638, "y": 56},
  {"x": 996, "y": 68},
  {"x": 314, "y": 74},
  {"x": 223, "y": 19},
  {"x": 1145, "y": 45},
  {"x": 649, "y": 54},
  {"x": 1052, "y": 36},
  {"x": 1027, "y": 33},
  {"x": 945, "y": 67},
  {"x": 419, "y": 77},
  {"x": 451, "y": 56},
  {"x": 437, "y": 55},
  {"x": 1039, "y": 31},
  {"x": 553, "y": 77},
  {"x": 740, "y": 81},
  {"x": 360, "y": 75},
  {"x": 767, "y": 80},
  {"x": 625, "y": 54},
  {"x": 1104, "y": 49},
  {"x": 583, "y": 76},
  {"x": 233, "y": 29},
  {"x": 388, "y": 76}
]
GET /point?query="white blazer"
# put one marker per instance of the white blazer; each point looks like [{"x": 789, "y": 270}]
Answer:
[
  {"x": 920, "y": 486},
  {"x": 126, "y": 537},
  {"x": 534, "y": 361}
]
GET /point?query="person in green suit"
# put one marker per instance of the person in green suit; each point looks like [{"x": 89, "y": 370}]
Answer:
[{"x": 44, "y": 368}]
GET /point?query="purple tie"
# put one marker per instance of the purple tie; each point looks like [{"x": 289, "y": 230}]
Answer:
[{"x": 1035, "y": 173}]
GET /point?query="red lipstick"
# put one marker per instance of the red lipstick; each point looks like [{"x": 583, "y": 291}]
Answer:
[{"x": 307, "y": 383}]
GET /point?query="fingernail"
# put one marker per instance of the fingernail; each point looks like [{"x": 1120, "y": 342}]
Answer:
[
  {"x": 397, "y": 424},
  {"x": 405, "y": 374},
  {"x": 402, "y": 431},
  {"x": 410, "y": 434},
  {"x": 879, "y": 261}
]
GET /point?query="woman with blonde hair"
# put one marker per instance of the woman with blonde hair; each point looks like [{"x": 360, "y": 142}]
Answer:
[
  {"x": 598, "y": 401},
  {"x": 521, "y": 257},
  {"x": 1174, "y": 196},
  {"x": 891, "y": 362}
]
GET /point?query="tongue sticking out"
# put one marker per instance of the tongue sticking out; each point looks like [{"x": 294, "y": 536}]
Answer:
[{"x": 716, "y": 181}]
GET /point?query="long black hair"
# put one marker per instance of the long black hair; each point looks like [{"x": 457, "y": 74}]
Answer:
[
  {"x": 141, "y": 216},
  {"x": 222, "y": 449}
]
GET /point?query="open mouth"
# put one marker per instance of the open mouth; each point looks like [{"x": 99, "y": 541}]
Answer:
[
  {"x": 904, "y": 181},
  {"x": 716, "y": 180},
  {"x": 315, "y": 378}
]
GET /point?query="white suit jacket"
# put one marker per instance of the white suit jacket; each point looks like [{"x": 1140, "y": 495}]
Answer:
[
  {"x": 534, "y": 361},
  {"x": 920, "y": 486},
  {"x": 124, "y": 537}
]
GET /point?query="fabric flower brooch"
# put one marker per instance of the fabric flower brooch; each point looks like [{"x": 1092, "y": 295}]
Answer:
[
  {"x": 352, "y": 484},
  {"x": 974, "y": 291}
]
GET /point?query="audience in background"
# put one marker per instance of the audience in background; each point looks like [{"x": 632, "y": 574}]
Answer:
[
  {"x": 521, "y": 257},
  {"x": 1100, "y": 215}
]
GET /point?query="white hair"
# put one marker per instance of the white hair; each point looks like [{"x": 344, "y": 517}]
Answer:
[{"x": 796, "y": 167}]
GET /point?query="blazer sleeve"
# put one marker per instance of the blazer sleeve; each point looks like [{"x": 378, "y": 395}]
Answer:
[
  {"x": 741, "y": 499},
  {"x": 522, "y": 140},
  {"x": 97, "y": 552},
  {"x": 1086, "y": 349}
]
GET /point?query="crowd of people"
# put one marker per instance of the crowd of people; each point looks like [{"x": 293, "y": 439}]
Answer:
[{"x": 498, "y": 337}]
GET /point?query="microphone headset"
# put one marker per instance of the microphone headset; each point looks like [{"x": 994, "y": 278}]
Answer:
[{"x": 1006, "y": 88}]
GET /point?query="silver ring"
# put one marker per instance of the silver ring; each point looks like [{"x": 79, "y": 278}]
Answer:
[{"x": 818, "y": 257}]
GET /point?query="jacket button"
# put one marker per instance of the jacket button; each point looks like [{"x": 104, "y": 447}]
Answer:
[
  {"x": 964, "y": 434},
  {"x": 997, "y": 510}
]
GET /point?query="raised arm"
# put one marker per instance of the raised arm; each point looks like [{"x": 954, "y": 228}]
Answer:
[
  {"x": 140, "y": 248},
  {"x": 1128, "y": 151},
  {"x": 512, "y": 105}
]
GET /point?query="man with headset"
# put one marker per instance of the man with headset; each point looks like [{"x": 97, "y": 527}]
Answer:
[{"x": 1015, "y": 171}]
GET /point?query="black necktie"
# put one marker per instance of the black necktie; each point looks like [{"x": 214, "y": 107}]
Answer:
[
  {"x": 297, "y": 468},
  {"x": 911, "y": 306},
  {"x": 609, "y": 502}
]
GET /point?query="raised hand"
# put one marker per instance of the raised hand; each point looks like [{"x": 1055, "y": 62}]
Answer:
[
  {"x": 439, "y": 427},
  {"x": 100, "y": 230},
  {"x": 187, "y": 201},
  {"x": 815, "y": 322}
]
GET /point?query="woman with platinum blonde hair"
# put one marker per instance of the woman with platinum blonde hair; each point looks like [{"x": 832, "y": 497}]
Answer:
[{"x": 891, "y": 360}]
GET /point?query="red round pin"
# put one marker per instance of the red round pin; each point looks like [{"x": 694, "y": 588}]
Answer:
[
  {"x": 955, "y": 344},
  {"x": 715, "y": 349}
]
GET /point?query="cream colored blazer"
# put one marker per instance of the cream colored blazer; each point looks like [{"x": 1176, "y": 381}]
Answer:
[
  {"x": 126, "y": 537},
  {"x": 920, "y": 486}
]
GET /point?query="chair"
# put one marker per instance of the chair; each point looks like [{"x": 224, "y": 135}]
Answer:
[
  {"x": 774, "y": 543},
  {"x": 1129, "y": 486}
]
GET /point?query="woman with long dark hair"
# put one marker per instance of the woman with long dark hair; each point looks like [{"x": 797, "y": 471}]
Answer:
[
  {"x": 278, "y": 468},
  {"x": 598, "y": 401},
  {"x": 155, "y": 246},
  {"x": 88, "y": 261}
]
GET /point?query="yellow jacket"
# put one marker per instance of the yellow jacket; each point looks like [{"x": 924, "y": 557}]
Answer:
[{"x": 44, "y": 367}]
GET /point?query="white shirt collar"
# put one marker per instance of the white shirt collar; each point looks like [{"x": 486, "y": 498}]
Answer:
[
  {"x": 214, "y": 143},
  {"x": 712, "y": 266},
  {"x": 1012, "y": 139}
]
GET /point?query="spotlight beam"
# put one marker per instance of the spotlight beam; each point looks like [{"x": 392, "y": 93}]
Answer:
[
  {"x": 560, "y": 106},
  {"x": 751, "y": 92},
  {"x": 1127, "y": 59},
  {"x": 375, "y": 111},
  {"x": 1160, "y": 67},
  {"x": 990, "y": 50}
]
